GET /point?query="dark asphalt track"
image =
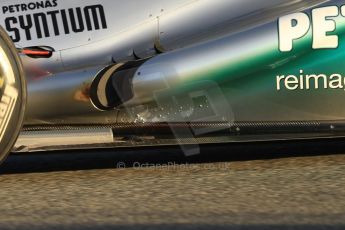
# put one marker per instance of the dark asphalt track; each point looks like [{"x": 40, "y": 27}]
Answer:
[{"x": 286, "y": 185}]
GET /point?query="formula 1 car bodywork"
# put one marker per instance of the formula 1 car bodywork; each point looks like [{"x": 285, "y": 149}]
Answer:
[{"x": 114, "y": 73}]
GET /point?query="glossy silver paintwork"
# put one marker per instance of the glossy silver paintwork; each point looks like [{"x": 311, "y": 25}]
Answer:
[
  {"x": 194, "y": 34},
  {"x": 69, "y": 101},
  {"x": 198, "y": 21},
  {"x": 135, "y": 29}
]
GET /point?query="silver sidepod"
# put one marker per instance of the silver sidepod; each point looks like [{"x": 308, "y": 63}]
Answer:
[{"x": 64, "y": 99}]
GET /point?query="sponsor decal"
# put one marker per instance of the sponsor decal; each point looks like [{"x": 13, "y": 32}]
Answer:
[
  {"x": 304, "y": 81},
  {"x": 21, "y": 24},
  {"x": 322, "y": 24},
  {"x": 296, "y": 26}
]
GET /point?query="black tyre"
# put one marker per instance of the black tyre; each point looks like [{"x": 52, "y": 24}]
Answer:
[{"x": 12, "y": 94}]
